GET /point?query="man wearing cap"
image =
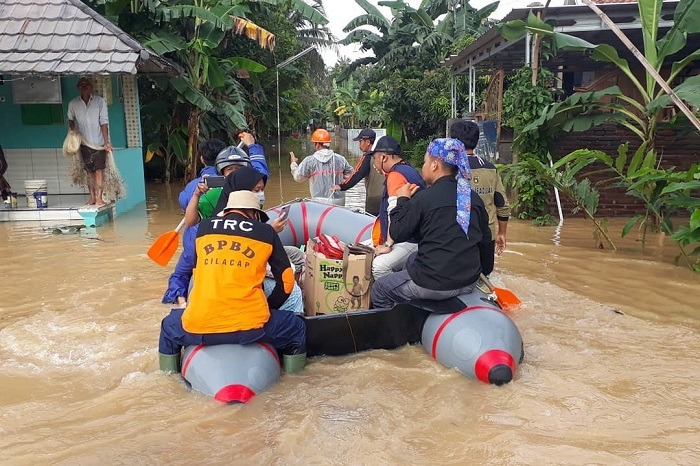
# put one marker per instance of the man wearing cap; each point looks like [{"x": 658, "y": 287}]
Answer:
[
  {"x": 374, "y": 181},
  {"x": 88, "y": 115},
  {"x": 390, "y": 255},
  {"x": 227, "y": 304},
  {"x": 451, "y": 224}
]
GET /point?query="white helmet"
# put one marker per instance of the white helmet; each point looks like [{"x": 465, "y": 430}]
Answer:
[{"x": 232, "y": 155}]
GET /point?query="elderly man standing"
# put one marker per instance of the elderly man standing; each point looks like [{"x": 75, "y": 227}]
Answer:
[{"x": 87, "y": 114}]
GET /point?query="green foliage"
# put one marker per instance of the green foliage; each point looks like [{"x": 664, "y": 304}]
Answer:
[
  {"x": 666, "y": 193},
  {"x": 407, "y": 48},
  {"x": 533, "y": 191},
  {"x": 523, "y": 103},
  {"x": 545, "y": 220},
  {"x": 199, "y": 36},
  {"x": 584, "y": 196},
  {"x": 415, "y": 151}
]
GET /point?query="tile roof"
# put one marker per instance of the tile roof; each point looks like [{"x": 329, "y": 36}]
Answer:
[{"x": 59, "y": 37}]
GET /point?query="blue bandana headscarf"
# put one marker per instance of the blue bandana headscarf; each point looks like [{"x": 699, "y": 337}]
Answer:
[{"x": 452, "y": 151}]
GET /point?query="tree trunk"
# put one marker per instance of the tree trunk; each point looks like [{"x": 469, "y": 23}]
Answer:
[{"x": 193, "y": 129}]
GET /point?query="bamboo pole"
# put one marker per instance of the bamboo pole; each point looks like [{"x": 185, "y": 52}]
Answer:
[{"x": 647, "y": 66}]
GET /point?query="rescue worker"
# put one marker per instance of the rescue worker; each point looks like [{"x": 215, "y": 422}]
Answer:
[
  {"x": 391, "y": 256},
  {"x": 374, "y": 181},
  {"x": 227, "y": 304},
  {"x": 324, "y": 169}
]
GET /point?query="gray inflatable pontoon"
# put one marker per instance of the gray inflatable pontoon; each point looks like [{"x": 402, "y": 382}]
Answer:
[{"x": 469, "y": 333}]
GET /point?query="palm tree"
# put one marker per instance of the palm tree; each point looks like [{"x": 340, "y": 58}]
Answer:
[{"x": 410, "y": 31}]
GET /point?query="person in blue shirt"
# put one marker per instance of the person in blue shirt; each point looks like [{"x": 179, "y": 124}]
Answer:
[
  {"x": 177, "y": 284},
  {"x": 257, "y": 154}
]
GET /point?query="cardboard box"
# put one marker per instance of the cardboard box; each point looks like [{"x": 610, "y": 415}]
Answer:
[{"x": 328, "y": 290}]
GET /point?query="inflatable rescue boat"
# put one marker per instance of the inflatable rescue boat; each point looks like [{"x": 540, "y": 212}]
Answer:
[{"x": 469, "y": 333}]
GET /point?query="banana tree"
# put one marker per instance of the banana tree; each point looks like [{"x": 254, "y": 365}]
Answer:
[
  {"x": 191, "y": 32},
  {"x": 641, "y": 175},
  {"x": 640, "y": 116}
]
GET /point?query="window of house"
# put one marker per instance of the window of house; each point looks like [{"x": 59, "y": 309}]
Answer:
[{"x": 42, "y": 114}]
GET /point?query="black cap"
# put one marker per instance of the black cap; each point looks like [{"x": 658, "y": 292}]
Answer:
[
  {"x": 386, "y": 144},
  {"x": 366, "y": 134}
]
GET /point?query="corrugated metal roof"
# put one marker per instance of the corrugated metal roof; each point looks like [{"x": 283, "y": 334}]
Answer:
[{"x": 68, "y": 37}]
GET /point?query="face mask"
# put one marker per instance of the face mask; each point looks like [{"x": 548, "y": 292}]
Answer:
[{"x": 261, "y": 197}]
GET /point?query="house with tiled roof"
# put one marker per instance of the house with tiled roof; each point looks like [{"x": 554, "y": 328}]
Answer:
[
  {"x": 492, "y": 57},
  {"x": 45, "y": 46}
]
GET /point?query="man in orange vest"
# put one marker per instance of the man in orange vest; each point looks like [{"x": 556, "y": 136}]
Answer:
[{"x": 227, "y": 304}]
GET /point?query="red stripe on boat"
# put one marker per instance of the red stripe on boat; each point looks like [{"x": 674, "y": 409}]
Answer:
[
  {"x": 289, "y": 224},
  {"x": 305, "y": 221},
  {"x": 272, "y": 351},
  {"x": 234, "y": 394},
  {"x": 189, "y": 359},
  {"x": 447, "y": 321},
  {"x": 488, "y": 360},
  {"x": 321, "y": 219},
  {"x": 362, "y": 232}
]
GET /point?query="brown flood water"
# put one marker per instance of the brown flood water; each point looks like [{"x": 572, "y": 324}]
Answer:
[{"x": 79, "y": 322}]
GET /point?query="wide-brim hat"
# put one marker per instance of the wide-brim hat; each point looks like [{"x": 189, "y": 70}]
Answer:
[
  {"x": 244, "y": 200},
  {"x": 366, "y": 133},
  {"x": 387, "y": 145}
]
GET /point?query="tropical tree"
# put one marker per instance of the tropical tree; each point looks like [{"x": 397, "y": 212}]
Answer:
[
  {"x": 665, "y": 191},
  {"x": 398, "y": 40},
  {"x": 195, "y": 34}
]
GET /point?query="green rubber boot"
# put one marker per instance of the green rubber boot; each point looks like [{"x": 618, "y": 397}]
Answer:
[
  {"x": 169, "y": 363},
  {"x": 294, "y": 363}
]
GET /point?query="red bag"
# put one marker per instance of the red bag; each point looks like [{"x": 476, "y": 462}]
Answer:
[{"x": 329, "y": 246}]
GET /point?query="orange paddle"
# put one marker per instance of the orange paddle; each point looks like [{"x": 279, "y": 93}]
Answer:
[
  {"x": 504, "y": 297},
  {"x": 164, "y": 247}
]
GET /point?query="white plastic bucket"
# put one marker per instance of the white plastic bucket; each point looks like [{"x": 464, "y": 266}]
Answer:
[{"x": 37, "y": 193}]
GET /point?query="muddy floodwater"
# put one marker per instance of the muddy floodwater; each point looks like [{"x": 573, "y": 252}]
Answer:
[{"x": 610, "y": 374}]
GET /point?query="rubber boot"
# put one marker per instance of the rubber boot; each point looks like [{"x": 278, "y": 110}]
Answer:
[
  {"x": 169, "y": 363},
  {"x": 294, "y": 363}
]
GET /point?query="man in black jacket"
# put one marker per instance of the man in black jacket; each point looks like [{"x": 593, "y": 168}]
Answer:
[{"x": 452, "y": 227}]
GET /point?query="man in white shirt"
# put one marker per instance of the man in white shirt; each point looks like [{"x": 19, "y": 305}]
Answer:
[{"x": 87, "y": 114}]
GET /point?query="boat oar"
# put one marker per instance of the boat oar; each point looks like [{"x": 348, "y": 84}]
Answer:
[
  {"x": 164, "y": 247},
  {"x": 504, "y": 297}
]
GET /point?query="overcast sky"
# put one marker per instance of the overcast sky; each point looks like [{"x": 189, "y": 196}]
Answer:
[{"x": 341, "y": 12}]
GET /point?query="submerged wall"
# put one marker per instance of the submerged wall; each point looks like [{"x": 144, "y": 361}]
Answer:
[{"x": 677, "y": 148}]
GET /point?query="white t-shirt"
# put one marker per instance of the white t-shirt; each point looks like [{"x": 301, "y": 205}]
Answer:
[{"x": 89, "y": 118}]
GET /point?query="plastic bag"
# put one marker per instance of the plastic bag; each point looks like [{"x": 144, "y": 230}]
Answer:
[{"x": 71, "y": 145}]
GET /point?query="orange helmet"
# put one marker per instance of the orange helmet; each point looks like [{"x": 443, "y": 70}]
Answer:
[{"x": 321, "y": 135}]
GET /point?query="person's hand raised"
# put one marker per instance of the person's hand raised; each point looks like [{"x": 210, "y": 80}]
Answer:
[
  {"x": 292, "y": 158},
  {"x": 246, "y": 138}
]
